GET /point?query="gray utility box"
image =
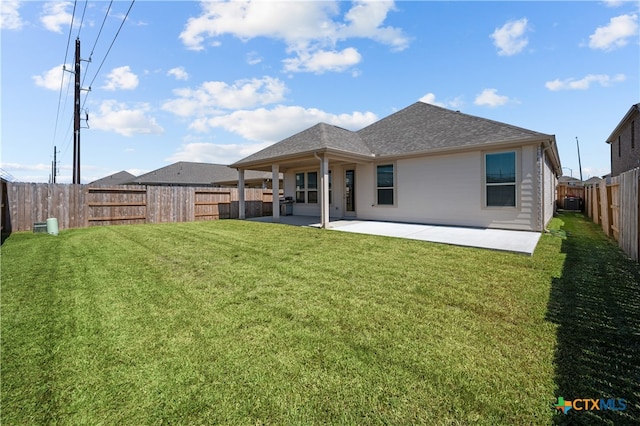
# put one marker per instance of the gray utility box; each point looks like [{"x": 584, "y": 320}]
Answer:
[
  {"x": 40, "y": 227},
  {"x": 572, "y": 203}
]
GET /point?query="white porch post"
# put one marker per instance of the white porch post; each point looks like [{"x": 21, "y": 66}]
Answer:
[
  {"x": 241, "y": 210},
  {"x": 324, "y": 191},
  {"x": 275, "y": 170}
]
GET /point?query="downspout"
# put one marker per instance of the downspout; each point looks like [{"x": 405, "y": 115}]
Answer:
[{"x": 544, "y": 151}]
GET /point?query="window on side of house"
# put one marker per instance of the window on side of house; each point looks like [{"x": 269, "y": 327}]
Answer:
[
  {"x": 619, "y": 147},
  {"x": 633, "y": 134},
  {"x": 500, "y": 179},
  {"x": 300, "y": 188},
  {"x": 385, "y": 184}
]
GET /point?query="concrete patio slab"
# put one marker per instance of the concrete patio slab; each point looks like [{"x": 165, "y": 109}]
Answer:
[{"x": 495, "y": 239}]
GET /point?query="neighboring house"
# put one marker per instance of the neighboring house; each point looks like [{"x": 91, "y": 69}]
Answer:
[
  {"x": 625, "y": 149},
  {"x": 184, "y": 173},
  {"x": 423, "y": 164},
  {"x": 593, "y": 180},
  {"x": 119, "y": 178}
]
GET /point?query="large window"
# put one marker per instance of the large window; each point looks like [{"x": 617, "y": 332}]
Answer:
[
  {"x": 312, "y": 191},
  {"x": 500, "y": 179},
  {"x": 307, "y": 193},
  {"x": 384, "y": 184},
  {"x": 300, "y": 188}
]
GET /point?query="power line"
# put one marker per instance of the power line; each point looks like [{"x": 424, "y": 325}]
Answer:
[
  {"x": 82, "y": 18},
  {"x": 109, "y": 50},
  {"x": 106, "y": 15}
]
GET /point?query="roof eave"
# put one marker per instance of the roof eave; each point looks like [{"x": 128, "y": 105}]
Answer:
[
  {"x": 247, "y": 165},
  {"x": 627, "y": 116},
  {"x": 474, "y": 147}
]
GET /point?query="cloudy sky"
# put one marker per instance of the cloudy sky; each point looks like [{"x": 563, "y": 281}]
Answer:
[{"x": 169, "y": 81}]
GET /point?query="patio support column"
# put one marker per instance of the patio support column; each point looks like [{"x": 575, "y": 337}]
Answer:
[
  {"x": 324, "y": 191},
  {"x": 241, "y": 209},
  {"x": 275, "y": 170}
]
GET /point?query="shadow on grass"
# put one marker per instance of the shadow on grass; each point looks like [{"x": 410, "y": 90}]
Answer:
[{"x": 596, "y": 305}]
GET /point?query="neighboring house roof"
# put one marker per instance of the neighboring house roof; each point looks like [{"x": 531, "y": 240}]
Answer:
[
  {"x": 114, "y": 179},
  {"x": 419, "y": 128},
  {"x": 591, "y": 180},
  {"x": 567, "y": 179},
  {"x": 189, "y": 173},
  {"x": 634, "y": 110}
]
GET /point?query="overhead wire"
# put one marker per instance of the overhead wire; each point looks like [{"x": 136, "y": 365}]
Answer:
[
  {"x": 108, "y": 50},
  {"x": 82, "y": 18},
  {"x": 106, "y": 15}
]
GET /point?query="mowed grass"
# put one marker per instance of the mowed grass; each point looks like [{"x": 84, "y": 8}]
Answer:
[{"x": 235, "y": 322}]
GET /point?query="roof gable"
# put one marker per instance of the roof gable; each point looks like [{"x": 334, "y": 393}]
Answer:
[
  {"x": 633, "y": 112},
  {"x": 320, "y": 137},
  {"x": 423, "y": 127}
]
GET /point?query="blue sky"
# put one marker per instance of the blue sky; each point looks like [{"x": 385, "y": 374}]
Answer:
[{"x": 217, "y": 81}]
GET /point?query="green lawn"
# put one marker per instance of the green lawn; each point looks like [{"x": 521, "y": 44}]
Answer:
[{"x": 234, "y": 322}]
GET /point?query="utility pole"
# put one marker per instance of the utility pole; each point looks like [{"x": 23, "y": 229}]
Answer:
[
  {"x": 54, "y": 166},
  {"x": 76, "y": 117},
  {"x": 579, "y": 163}
]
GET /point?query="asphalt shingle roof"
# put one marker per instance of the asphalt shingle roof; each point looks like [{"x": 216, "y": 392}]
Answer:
[
  {"x": 419, "y": 128},
  {"x": 422, "y": 127},
  {"x": 189, "y": 173},
  {"x": 319, "y": 137},
  {"x": 114, "y": 179}
]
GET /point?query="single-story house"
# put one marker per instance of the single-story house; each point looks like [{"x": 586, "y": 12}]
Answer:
[
  {"x": 186, "y": 173},
  {"x": 423, "y": 164},
  {"x": 624, "y": 143},
  {"x": 120, "y": 178}
]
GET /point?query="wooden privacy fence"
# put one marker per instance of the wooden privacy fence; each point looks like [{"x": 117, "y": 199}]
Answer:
[
  {"x": 79, "y": 206},
  {"x": 614, "y": 204}
]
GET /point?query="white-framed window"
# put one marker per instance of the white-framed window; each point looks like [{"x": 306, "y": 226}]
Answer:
[
  {"x": 307, "y": 187},
  {"x": 385, "y": 184},
  {"x": 500, "y": 179}
]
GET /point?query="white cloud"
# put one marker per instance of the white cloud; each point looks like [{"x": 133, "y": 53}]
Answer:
[
  {"x": 321, "y": 61},
  {"x": 253, "y": 58},
  {"x": 51, "y": 79},
  {"x": 213, "y": 96},
  {"x": 490, "y": 97},
  {"x": 614, "y": 3},
  {"x": 589, "y": 171},
  {"x": 616, "y": 34},
  {"x": 121, "y": 78},
  {"x": 119, "y": 118},
  {"x": 55, "y": 15},
  {"x": 179, "y": 73},
  {"x": 274, "y": 124},
  {"x": 510, "y": 38},
  {"x": 430, "y": 98},
  {"x": 310, "y": 30},
  {"x": 366, "y": 19},
  {"x": 10, "y": 18},
  {"x": 585, "y": 82},
  {"x": 203, "y": 152}
]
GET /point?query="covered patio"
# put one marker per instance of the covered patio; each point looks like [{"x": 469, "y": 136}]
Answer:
[{"x": 523, "y": 242}]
